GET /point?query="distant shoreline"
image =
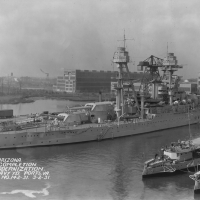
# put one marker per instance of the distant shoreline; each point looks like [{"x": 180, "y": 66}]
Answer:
[
  {"x": 17, "y": 99},
  {"x": 11, "y": 99}
]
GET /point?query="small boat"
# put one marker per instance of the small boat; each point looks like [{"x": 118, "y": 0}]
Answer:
[
  {"x": 181, "y": 156},
  {"x": 196, "y": 178}
]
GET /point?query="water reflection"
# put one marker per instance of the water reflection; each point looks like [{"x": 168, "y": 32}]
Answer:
[
  {"x": 178, "y": 181},
  {"x": 120, "y": 182},
  {"x": 40, "y": 105},
  {"x": 120, "y": 178}
]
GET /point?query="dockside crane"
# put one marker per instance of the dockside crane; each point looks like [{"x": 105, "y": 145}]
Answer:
[
  {"x": 150, "y": 66},
  {"x": 152, "y": 79},
  {"x": 47, "y": 77},
  {"x": 47, "y": 74}
]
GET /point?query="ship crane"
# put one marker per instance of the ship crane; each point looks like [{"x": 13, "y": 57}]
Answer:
[
  {"x": 47, "y": 77},
  {"x": 151, "y": 75}
]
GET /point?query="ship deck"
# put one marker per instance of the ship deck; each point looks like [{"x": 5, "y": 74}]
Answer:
[{"x": 46, "y": 127}]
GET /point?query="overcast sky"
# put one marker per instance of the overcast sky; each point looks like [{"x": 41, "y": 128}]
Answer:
[{"x": 82, "y": 34}]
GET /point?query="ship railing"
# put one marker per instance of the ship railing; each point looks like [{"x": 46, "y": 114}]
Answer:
[
  {"x": 139, "y": 120},
  {"x": 131, "y": 121},
  {"x": 33, "y": 125},
  {"x": 48, "y": 127},
  {"x": 184, "y": 108},
  {"x": 176, "y": 108},
  {"x": 195, "y": 177},
  {"x": 101, "y": 136},
  {"x": 20, "y": 127},
  {"x": 168, "y": 168},
  {"x": 59, "y": 127}
]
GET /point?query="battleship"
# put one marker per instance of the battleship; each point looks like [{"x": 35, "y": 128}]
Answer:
[{"x": 158, "y": 105}]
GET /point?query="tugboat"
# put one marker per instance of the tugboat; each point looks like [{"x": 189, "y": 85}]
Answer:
[{"x": 181, "y": 156}]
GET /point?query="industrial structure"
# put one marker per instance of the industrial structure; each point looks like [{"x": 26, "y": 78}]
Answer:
[
  {"x": 188, "y": 87},
  {"x": 198, "y": 83},
  {"x": 89, "y": 81},
  {"x": 106, "y": 81},
  {"x": 66, "y": 82}
]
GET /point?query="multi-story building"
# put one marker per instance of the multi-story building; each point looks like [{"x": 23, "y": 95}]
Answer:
[
  {"x": 188, "y": 87},
  {"x": 93, "y": 81},
  {"x": 88, "y": 81},
  {"x": 67, "y": 82}
]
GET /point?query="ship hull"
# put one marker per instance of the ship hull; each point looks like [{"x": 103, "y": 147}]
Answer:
[
  {"x": 40, "y": 136},
  {"x": 181, "y": 167}
]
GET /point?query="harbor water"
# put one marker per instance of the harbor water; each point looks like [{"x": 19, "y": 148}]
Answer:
[
  {"x": 40, "y": 106},
  {"x": 109, "y": 169}
]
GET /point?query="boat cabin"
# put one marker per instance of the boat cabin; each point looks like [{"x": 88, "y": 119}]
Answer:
[
  {"x": 180, "y": 151},
  {"x": 179, "y": 155}
]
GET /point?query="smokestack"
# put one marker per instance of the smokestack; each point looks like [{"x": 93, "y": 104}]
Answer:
[{"x": 100, "y": 96}]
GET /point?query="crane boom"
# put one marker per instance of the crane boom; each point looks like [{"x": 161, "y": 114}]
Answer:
[{"x": 44, "y": 72}]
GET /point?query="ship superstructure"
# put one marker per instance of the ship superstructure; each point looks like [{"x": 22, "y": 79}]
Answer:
[{"x": 154, "y": 108}]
